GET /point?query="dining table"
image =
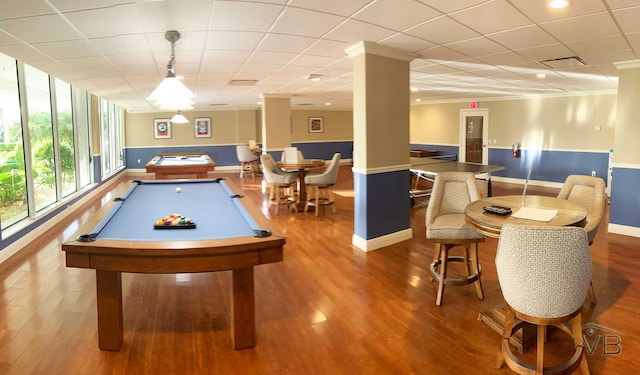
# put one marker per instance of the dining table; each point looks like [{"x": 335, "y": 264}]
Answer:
[
  {"x": 302, "y": 166},
  {"x": 536, "y": 210}
]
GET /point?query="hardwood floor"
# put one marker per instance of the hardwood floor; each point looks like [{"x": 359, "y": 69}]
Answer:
[{"x": 329, "y": 308}]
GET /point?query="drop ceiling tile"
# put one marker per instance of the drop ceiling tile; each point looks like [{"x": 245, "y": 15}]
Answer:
[
  {"x": 539, "y": 12},
  {"x": 106, "y": 22},
  {"x": 233, "y": 40},
  {"x": 241, "y": 16},
  {"x": 67, "y": 49},
  {"x": 328, "y": 48},
  {"x": 338, "y": 7},
  {"x": 23, "y": 53},
  {"x": 442, "y": 53},
  {"x": 446, "y": 6},
  {"x": 216, "y": 57},
  {"x": 263, "y": 57},
  {"x": 387, "y": 13},
  {"x": 312, "y": 61},
  {"x": 406, "y": 43},
  {"x": 285, "y": 43},
  {"x": 305, "y": 22},
  {"x": 491, "y": 17},
  {"x": 628, "y": 19},
  {"x": 121, "y": 44},
  {"x": 608, "y": 57},
  {"x": 353, "y": 31},
  {"x": 30, "y": 30},
  {"x": 442, "y": 30},
  {"x": 477, "y": 47},
  {"x": 503, "y": 58},
  {"x": 580, "y": 28},
  {"x": 598, "y": 45},
  {"x": 523, "y": 37}
]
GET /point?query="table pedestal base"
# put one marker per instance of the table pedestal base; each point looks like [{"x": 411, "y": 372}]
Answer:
[{"x": 523, "y": 339}]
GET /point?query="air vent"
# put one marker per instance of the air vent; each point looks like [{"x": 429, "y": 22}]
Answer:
[
  {"x": 217, "y": 104},
  {"x": 243, "y": 82},
  {"x": 305, "y": 104},
  {"x": 564, "y": 62}
]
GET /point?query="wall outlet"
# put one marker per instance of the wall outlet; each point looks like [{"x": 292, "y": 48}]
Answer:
[{"x": 593, "y": 173}]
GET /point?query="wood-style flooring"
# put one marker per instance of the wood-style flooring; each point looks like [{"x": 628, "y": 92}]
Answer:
[{"x": 329, "y": 308}]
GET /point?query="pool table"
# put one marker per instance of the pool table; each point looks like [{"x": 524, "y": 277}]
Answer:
[
  {"x": 165, "y": 165},
  {"x": 230, "y": 233}
]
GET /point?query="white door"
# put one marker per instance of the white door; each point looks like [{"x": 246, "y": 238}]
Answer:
[{"x": 474, "y": 136}]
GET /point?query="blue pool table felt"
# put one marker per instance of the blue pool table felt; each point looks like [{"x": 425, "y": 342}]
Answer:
[
  {"x": 180, "y": 160},
  {"x": 208, "y": 203}
]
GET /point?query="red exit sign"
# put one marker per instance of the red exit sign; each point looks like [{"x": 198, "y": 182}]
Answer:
[{"x": 473, "y": 105}]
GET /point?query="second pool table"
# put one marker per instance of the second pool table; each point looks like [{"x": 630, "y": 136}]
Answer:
[{"x": 165, "y": 165}]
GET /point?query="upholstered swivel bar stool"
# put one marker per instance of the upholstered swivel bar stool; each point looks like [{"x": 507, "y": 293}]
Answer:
[
  {"x": 281, "y": 184},
  {"x": 588, "y": 192},
  {"x": 248, "y": 160},
  {"x": 446, "y": 227},
  {"x": 320, "y": 184},
  {"x": 544, "y": 273}
]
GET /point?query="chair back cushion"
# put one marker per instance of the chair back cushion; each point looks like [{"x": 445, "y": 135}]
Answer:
[
  {"x": 329, "y": 176},
  {"x": 543, "y": 271},
  {"x": 588, "y": 192},
  {"x": 245, "y": 154},
  {"x": 450, "y": 195}
]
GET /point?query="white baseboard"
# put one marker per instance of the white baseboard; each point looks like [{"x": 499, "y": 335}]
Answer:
[
  {"x": 624, "y": 230},
  {"x": 382, "y": 241}
]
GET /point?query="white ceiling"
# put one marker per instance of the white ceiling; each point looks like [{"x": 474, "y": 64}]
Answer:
[{"x": 467, "y": 49}]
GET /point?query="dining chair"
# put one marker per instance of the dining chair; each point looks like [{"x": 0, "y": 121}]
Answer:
[
  {"x": 281, "y": 184},
  {"x": 544, "y": 273},
  {"x": 248, "y": 160},
  {"x": 588, "y": 192},
  {"x": 319, "y": 185},
  {"x": 446, "y": 227}
]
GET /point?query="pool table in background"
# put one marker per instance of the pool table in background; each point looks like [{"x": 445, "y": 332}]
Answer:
[
  {"x": 230, "y": 233},
  {"x": 168, "y": 164}
]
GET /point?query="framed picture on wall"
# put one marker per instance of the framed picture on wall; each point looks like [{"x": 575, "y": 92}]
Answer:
[
  {"x": 202, "y": 127},
  {"x": 316, "y": 125},
  {"x": 162, "y": 128}
]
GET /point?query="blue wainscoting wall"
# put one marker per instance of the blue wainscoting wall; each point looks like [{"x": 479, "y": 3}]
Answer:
[
  {"x": 381, "y": 204},
  {"x": 625, "y": 197},
  {"x": 225, "y": 155},
  {"x": 551, "y": 166}
]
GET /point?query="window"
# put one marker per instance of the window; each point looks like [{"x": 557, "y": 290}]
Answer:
[
  {"x": 111, "y": 137},
  {"x": 65, "y": 137},
  {"x": 82, "y": 136},
  {"x": 40, "y": 142},
  {"x": 13, "y": 186}
]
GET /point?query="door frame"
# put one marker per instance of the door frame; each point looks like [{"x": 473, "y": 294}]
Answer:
[{"x": 484, "y": 112}]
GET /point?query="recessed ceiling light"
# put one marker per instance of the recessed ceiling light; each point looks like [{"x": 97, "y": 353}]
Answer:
[
  {"x": 418, "y": 100},
  {"x": 413, "y": 89},
  {"x": 541, "y": 75},
  {"x": 313, "y": 77},
  {"x": 558, "y": 4},
  {"x": 327, "y": 103}
]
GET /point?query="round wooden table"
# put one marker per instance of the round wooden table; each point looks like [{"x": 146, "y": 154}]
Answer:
[
  {"x": 489, "y": 224},
  {"x": 301, "y": 166}
]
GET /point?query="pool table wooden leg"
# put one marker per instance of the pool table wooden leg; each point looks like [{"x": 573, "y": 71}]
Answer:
[
  {"x": 243, "y": 321},
  {"x": 109, "y": 292}
]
